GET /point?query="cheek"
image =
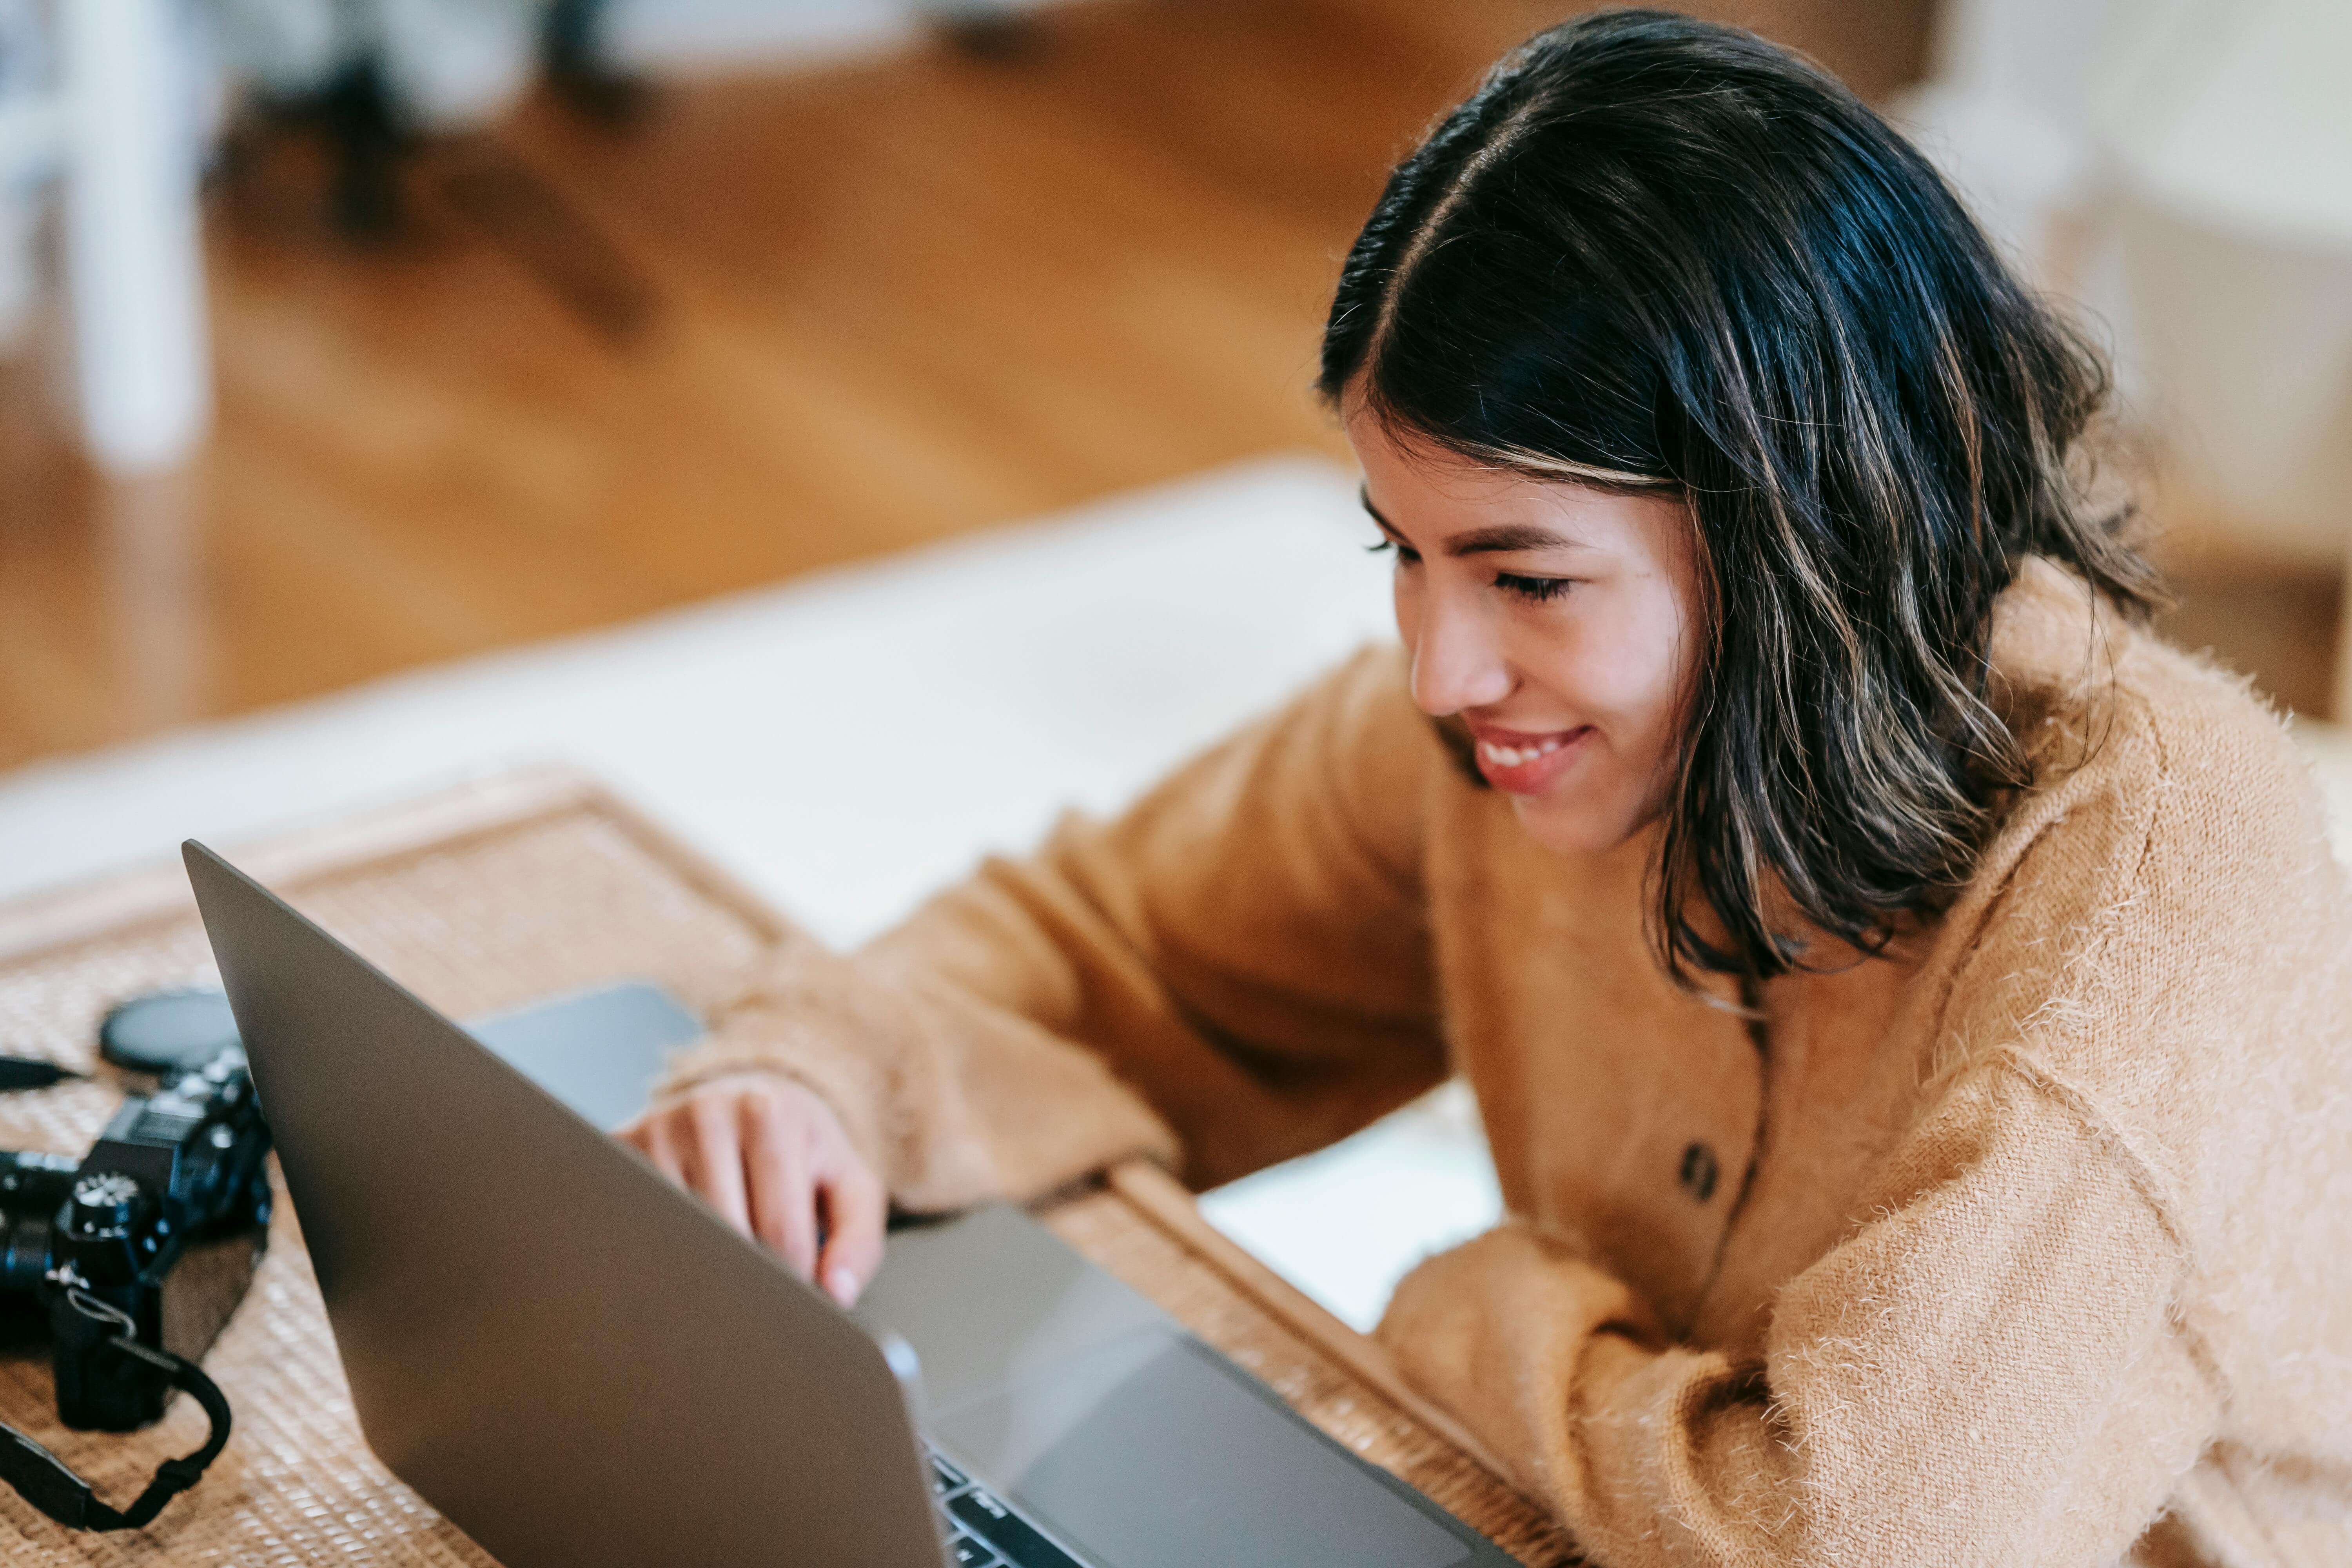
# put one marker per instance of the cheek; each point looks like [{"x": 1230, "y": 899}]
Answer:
[
  {"x": 1620, "y": 665},
  {"x": 1646, "y": 682},
  {"x": 1648, "y": 668},
  {"x": 1612, "y": 676}
]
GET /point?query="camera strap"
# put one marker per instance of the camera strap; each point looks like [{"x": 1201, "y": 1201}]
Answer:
[{"x": 43, "y": 1479}]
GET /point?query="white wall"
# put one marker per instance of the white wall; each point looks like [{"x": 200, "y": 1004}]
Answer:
[{"x": 704, "y": 35}]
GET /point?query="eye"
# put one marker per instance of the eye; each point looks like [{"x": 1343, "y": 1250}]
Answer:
[
  {"x": 1404, "y": 557},
  {"x": 1536, "y": 589}
]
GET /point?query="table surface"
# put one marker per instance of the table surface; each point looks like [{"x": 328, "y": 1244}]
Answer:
[{"x": 501, "y": 891}]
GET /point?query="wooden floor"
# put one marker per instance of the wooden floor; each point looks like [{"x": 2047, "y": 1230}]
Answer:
[{"x": 784, "y": 322}]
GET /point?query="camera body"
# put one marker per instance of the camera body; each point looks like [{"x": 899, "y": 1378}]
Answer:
[{"x": 164, "y": 1220}]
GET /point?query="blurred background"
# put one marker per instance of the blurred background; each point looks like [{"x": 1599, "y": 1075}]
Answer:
[
  {"x": 342, "y": 336},
  {"x": 391, "y": 389}
]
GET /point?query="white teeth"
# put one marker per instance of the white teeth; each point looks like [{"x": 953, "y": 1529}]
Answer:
[{"x": 1513, "y": 756}]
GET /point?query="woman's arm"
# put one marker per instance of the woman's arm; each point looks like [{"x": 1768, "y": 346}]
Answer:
[
  {"x": 1234, "y": 971},
  {"x": 1987, "y": 1372}
]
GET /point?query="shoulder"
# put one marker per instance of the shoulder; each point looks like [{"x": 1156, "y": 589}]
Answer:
[
  {"x": 2135, "y": 743},
  {"x": 2158, "y": 930},
  {"x": 1367, "y": 698},
  {"x": 1358, "y": 723},
  {"x": 1379, "y": 757},
  {"x": 1347, "y": 762}
]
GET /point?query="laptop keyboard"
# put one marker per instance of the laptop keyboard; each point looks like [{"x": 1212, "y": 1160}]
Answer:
[{"x": 984, "y": 1531}]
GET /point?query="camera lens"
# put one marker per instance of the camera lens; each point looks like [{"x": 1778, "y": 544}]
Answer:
[
  {"x": 30, "y": 1181},
  {"x": 24, "y": 1252},
  {"x": 32, "y": 1189}
]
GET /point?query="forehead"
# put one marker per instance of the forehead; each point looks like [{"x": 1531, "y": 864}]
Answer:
[
  {"x": 1440, "y": 500},
  {"x": 1406, "y": 464}
]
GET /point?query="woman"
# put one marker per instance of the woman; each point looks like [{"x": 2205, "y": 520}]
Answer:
[{"x": 1908, "y": 1003}]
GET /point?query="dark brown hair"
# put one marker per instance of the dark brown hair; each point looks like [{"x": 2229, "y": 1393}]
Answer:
[{"x": 1653, "y": 252}]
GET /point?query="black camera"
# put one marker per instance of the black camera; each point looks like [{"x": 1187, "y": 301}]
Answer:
[{"x": 156, "y": 1231}]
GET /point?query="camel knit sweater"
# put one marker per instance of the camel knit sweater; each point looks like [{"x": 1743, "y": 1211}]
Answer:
[{"x": 2030, "y": 1244}]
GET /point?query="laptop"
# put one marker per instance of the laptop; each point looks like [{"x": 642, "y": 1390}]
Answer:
[{"x": 581, "y": 1364}]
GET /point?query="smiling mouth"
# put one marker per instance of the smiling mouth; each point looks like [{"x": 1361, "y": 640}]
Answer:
[
  {"x": 1504, "y": 756},
  {"x": 1531, "y": 765}
]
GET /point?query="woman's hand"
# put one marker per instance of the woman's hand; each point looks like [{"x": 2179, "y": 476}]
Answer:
[{"x": 776, "y": 1164}]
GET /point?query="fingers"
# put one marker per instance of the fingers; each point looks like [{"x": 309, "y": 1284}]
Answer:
[
  {"x": 783, "y": 1202},
  {"x": 714, "y": 1164},
  {"x": 694, "y": 1144},
  {"x": 650, "y": 1136},
  {"x": 775, "y": 1162},
  {"x": 856, "y": 1209}
]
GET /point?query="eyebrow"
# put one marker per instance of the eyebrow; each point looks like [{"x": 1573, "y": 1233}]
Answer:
[{"x": 1501, "y": 538}]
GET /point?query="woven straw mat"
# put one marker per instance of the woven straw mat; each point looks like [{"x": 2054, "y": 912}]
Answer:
[{"x": 551, "y": 901}]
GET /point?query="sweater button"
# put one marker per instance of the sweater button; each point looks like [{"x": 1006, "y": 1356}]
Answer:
[{"x": 1699, "y": 1171}]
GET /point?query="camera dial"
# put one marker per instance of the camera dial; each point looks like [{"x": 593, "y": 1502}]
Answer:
[{"x": 104, "y": 1204}]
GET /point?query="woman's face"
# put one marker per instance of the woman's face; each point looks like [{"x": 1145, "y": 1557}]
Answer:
[{"x": 1559, "y": 622}]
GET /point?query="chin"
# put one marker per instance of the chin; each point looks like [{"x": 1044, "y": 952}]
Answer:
[{"x": 1574, "y": 826}]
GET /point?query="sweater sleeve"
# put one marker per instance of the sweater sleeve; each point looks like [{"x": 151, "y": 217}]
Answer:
[
  {"x": 1987, "y": 1371},
  {"x": 1235, "y": 969}
]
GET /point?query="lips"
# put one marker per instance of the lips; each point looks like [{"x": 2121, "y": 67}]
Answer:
[{"x": 1518, "y": 761}]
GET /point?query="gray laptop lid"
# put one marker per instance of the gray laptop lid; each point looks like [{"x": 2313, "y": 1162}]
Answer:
[{"x": 572, "y": 1360}]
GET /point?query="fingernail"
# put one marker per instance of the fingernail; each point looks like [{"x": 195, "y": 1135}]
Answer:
[{"x": 842, "y": 1284}]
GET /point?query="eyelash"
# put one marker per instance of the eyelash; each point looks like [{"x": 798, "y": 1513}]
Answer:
[{"x": 1537, "y": 590}]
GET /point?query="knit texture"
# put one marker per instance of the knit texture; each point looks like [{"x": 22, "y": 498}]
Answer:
[{"x": 2029, "y": 1242}]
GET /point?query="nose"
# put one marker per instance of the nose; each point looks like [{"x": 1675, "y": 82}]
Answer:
[{"x": 1457, "y": 661}]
